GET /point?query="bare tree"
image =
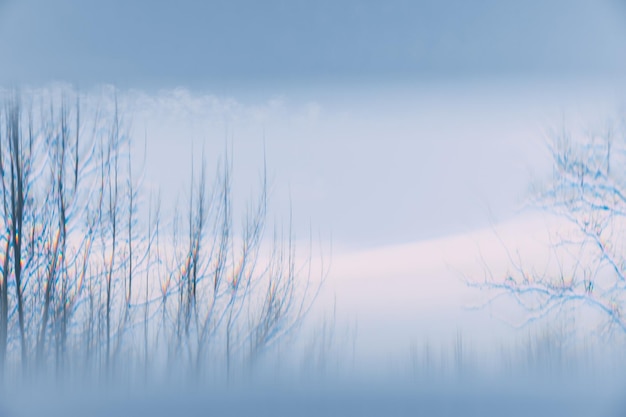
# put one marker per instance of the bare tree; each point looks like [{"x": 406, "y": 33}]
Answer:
[
  {"x": 16, "y": 181},
  {"x": 587, "y": 191}
]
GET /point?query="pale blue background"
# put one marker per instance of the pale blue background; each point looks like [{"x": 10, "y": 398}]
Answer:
[
  {"x": 232, "y": 42},
  {"x": 429, "y": 114}
]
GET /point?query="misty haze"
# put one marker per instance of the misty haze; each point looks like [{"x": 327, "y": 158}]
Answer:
[{"x": 298, "y": 208}]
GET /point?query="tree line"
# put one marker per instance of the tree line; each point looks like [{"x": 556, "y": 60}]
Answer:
[{"x": 95, "y": 279}]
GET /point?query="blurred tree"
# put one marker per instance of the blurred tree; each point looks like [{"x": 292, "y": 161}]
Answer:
[{"x": 587, "y": 190}]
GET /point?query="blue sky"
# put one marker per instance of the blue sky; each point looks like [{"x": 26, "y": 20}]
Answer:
[
  {"x": 384, "y": 122},
  {"x": 212, "y": 44}
]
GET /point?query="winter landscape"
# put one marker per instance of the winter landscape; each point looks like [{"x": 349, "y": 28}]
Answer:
[{"x": 293, "y": 208}]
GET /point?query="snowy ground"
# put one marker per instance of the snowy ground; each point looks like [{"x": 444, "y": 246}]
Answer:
[{"x": 405, "y": 295}]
